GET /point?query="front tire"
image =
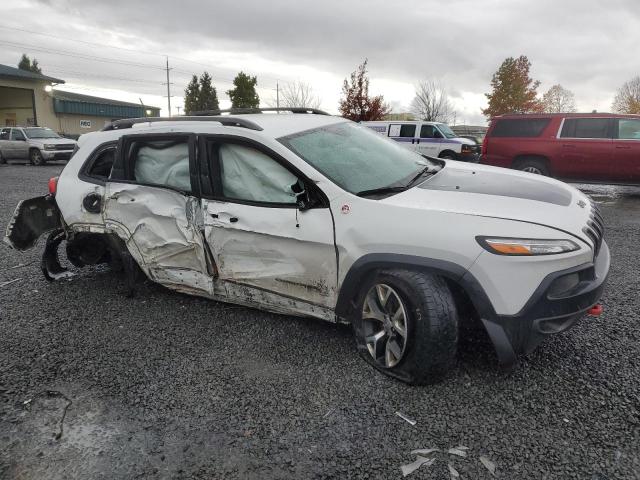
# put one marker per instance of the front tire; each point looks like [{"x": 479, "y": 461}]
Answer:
[
  {"x": 36, "y": 158},
  {"x": 2, "y": 159},
  {"x": 406, "y": 325}
]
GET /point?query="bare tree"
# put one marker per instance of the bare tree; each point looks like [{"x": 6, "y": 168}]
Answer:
[
  {"x": 431, "y": 102},
  {"x": 558, "y": 100},
  {"x": 627, "y": 98},
  {"x": 298, "y": 94}
]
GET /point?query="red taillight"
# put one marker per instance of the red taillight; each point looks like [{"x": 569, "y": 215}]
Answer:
[
  {"x": 596, "y": 310},
  {"x": 53, "y": 185},
  {"x": 484, "y": 145}
]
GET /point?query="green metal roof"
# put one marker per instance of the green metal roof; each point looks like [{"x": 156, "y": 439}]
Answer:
[
  {"x": 75, "y": 103},
  {"x": 11, "y": 72}
]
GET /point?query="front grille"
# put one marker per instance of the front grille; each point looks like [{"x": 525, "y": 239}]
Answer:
[
  {"x": 65, "y": 146},
  {"x": 595, "y": 227}
]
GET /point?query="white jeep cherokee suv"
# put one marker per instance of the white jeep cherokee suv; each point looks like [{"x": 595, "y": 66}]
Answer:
[{"x": 311, "y": 215}]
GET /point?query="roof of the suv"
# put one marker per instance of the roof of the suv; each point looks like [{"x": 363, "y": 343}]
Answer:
[{"x": 565, "y": 115}]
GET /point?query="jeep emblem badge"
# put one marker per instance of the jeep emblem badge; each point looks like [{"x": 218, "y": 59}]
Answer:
[
  {"x": 345, "y": 208},
  {"x": 582, "y": 203}
]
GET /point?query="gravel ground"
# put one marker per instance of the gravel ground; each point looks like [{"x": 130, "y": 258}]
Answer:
[{"x": 169, "y": 386}]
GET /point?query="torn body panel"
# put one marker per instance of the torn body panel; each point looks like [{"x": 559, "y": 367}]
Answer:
[
  {"x": 161, "y": 231},
  {"x": 31, "y": 219},
  {"x": 164, "y": 231},
  {"x": 280, "y": 250}
]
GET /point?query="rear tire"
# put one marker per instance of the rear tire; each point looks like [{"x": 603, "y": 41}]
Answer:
[
  {"x": 413, "y": 335},
  {"x": 2, "y": 159},
  {"x": 36, "y": 158},
  {"x": 532, "y": 165}
]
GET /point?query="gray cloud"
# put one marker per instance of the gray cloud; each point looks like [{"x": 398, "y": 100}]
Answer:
[{"x": 587, "y": 46}]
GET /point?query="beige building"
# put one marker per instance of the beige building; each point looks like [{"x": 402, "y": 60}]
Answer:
[{"x": 28, "y": 98}]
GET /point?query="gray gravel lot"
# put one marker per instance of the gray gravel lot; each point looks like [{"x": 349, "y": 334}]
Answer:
[{"x": 169, "y": 386}]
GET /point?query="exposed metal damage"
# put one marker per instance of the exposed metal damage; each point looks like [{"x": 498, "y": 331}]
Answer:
[{"x": 164, "y": 234}]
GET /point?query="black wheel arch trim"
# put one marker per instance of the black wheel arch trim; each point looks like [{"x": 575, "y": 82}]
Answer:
[{"x": 376, "y": 261}]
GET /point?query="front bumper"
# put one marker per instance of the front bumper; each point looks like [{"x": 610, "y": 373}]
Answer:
[
  {"x": 57, "y": 154},
  {"x": 468, "y": 157},
  {"x": 547, "y": 313}
]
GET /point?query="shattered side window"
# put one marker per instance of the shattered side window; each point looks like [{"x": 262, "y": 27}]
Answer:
[
  {"x": 248, "y": 174},
  {"x": 162, "y": 162}
]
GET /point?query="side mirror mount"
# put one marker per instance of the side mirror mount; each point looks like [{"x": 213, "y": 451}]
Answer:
[{"x": 303, "y": 198}]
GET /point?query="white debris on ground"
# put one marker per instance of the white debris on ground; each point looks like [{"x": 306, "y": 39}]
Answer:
[
  {"x": 422, "y": 458},
  {"x": 409, "y": 468},
  {"x": 453, "y": 473},
  {"x": 489, "y": 465},
  {"x": 406, "y": 419},
  {"x": 459, "y": 451}
]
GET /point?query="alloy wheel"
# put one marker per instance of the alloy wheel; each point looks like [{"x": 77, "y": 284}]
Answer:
[
  {"x": 530, "y": 169},
  {"x": 385, "y": 320}
]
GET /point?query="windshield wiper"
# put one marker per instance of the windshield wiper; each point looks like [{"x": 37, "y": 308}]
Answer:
[
  {"x": 380, "y": 191},
  {"x": 425, "y": 170}
]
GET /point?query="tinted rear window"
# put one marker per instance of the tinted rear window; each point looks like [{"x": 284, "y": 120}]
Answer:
[
  {"x": 520, "y": 127},
  {"x": 585, "y": 128}
]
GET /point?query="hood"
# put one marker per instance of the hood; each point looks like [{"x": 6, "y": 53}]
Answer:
[{"x": 482, "y": 190}]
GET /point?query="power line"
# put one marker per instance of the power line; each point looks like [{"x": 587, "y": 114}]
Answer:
[
  {"x": 78, "y": 55},
  {"x": 4, "y": 27},
  {"x": 95, "y": 44}
]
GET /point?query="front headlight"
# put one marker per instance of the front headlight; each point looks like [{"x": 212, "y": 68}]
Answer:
[
  {"x": 49, "y": 146},
  {"x": 526, "y": 246}
]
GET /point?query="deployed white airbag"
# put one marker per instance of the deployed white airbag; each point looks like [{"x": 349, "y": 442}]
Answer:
[{"x": 249, "y": 174}]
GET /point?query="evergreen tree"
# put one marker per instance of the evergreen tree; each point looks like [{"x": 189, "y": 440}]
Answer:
[
  {"x": 25, "y": 63},
  {"x": 208, "y": 96},
  {"x": 192, "y": 96},
  {"x": 244, "y": 94}
]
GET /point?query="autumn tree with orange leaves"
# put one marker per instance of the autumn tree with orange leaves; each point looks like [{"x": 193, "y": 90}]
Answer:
[
  {"x": 513, "y": 90},
  {"x": 356, "y": 104}
]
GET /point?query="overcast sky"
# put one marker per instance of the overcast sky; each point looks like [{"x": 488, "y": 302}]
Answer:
[{"x": 590, "y": 47}]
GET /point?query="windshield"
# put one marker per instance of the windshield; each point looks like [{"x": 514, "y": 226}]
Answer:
[
  {"x": 446, "y": 131},
  {"x": 355, "y": 157},
  {"x": 40, "y": 133}
]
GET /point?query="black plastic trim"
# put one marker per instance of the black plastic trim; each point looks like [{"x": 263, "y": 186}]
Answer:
[
  {"x": 83, "y": 173},
  {"x": 227, "y": 121}
]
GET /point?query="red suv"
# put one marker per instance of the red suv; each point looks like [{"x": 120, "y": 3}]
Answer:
[{"x": 589, "y": 147}]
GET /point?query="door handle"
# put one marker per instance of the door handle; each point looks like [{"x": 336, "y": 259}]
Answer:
[
  {"x": 623, "y": 147},
  {"x": 231, "y": 219}
]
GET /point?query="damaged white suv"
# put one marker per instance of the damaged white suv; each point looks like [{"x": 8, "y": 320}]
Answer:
[{"x": 311, "y": 215}]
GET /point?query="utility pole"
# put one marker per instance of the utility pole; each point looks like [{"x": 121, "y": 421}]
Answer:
[
  {"x": 178, "y": 108},
  {"x": 278, "y": 96},
  {"x": 168, "y": 87}
]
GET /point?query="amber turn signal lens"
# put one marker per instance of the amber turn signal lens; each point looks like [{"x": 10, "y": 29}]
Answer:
[{"x": 510, "y": 248}]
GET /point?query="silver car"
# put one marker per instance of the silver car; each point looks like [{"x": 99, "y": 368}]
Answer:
[{"x": 36, "y": 144}]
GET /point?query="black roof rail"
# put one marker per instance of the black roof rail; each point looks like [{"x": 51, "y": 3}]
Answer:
[
  {"x": 227, "y": 120},
  {"x": 245, "y": 111}
]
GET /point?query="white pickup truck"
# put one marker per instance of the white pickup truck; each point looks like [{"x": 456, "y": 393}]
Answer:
[{"x": 36, "y": 144}]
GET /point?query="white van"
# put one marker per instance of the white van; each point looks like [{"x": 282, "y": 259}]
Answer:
[{"x": 433, "y": 139}]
